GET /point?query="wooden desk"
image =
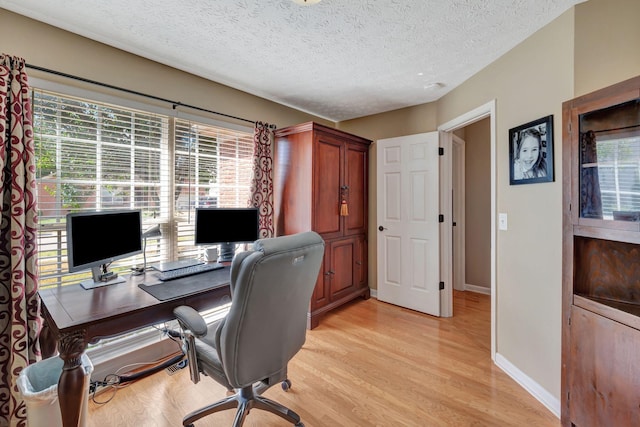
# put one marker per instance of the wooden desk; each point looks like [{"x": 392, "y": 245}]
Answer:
[{"x": 76, "y": 317}]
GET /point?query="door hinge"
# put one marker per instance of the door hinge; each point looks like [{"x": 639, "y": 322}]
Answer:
[
  {"x": 441, "y": 151},
  {"x": 441, "y": 286},
  {"x": 440, "y": 218}
]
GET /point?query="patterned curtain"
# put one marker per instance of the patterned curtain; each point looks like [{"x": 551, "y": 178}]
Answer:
[
  {"x": 590, "y": 198},
  {"x": 262, "y": 181},
  {"x": 20, "y": 320}
]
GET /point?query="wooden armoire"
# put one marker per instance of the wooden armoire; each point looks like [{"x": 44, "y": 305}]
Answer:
[
  {"x": 601, "y": 258},
  {"x": 321, "y": 184}
]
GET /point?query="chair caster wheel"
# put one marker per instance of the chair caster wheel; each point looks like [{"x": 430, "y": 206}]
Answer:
[{"x": 286, "y": 385}]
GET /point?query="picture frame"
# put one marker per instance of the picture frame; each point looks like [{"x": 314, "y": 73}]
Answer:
[{"x": 531, "y": 152}]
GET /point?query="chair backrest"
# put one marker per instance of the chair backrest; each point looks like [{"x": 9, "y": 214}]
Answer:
[{"x": 266, "y": 324}]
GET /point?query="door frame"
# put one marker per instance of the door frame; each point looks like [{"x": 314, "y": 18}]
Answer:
[
  {"x": 446, "y": 141},
  {"x": 459, "y": 249}
]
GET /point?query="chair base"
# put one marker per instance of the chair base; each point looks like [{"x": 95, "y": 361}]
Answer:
[{"x": 245, "y": 400}]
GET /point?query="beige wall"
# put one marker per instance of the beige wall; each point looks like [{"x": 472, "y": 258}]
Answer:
[
  {"x": 528, "y": 83},
  {"x": 607, "y": 47},
  {"x": 478, "y": 203}
]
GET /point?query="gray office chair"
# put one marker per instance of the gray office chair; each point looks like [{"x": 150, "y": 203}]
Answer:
[{"x": 248, "y": 350}]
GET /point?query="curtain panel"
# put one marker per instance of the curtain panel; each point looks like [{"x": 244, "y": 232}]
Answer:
[
  {"x": 590, "y": 197},
  {"x": 20, "y": 320},
  {"x": 262, "y": 181}
]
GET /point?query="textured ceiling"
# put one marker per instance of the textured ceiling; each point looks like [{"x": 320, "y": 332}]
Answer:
[{"x": 338, "y": 59}]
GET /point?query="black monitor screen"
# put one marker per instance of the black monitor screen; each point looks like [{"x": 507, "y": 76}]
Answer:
[
  {"x": 96, "y": 238},
  {"x": 226, "y": 225}
]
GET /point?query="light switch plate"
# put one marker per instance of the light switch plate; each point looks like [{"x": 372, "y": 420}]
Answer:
[{"x": 502, "y": 221}]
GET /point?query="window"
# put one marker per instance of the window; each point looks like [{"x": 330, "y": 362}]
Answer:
[
  {"x": 213, "y": 167},
  {"x": 619, "y": 175},
  {"x": 93, "y": 155},
  {"x": 609, "y": 150}
]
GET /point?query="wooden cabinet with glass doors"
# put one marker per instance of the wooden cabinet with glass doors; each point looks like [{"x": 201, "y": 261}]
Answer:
[{"x": 601, "y": 257}]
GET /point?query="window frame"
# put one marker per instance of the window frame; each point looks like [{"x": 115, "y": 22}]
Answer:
[{"x": 166, "y": 247}]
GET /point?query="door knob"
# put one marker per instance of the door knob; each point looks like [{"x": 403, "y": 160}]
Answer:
[{"x": 381, "y": 228}]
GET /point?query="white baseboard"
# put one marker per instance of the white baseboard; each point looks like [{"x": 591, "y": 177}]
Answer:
[
  {"x": 537, "y": 391},
  {"x": 478, "y": 289},
  {"x": 123, "y": 360},
  {"x": 467, "y": 287}
]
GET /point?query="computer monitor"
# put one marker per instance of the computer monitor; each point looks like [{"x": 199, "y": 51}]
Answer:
[
  {"x": 226, "y": 226},
  {"x": 97, "y": 238}
]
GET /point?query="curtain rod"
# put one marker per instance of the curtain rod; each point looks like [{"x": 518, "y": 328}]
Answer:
[{"x": 157, "y": 98}]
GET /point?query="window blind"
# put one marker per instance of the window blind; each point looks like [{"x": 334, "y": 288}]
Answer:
[
  {"x": 213, "y": 168},
  {"x": 97, "y": 156},
  {"x": 619, "y": 174}
]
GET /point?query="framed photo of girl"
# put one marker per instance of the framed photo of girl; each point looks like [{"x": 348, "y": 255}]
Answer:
[{"x": 531, "y": 152}]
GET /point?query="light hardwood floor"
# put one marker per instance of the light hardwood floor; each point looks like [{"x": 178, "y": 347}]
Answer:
[{"x": 368, "y": 364}]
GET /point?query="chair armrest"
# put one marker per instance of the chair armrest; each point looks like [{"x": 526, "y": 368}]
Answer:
[{"x": 191, "y": 320}]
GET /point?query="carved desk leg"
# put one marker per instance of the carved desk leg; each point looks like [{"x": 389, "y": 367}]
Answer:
[
  {"x": 71, "y": 384},
  {"x": 48, "y": 343}
]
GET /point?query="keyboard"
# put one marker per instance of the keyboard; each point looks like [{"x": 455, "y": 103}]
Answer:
[
  {"x": 174, "y": 265},
  {"x": 188, "y": 271}
]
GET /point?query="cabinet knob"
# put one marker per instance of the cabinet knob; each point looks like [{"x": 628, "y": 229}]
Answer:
[{"x": 358, "y": 262}]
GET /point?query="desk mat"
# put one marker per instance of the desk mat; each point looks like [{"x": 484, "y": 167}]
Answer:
[{"x": 172, "y": 289}]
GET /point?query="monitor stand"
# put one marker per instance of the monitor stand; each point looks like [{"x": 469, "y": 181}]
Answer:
[
  {"x": 227, "y": 251},
  {"x": 100, "y": 279}
]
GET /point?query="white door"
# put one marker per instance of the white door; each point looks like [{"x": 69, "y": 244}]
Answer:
[{"x": 408, "y": 226}]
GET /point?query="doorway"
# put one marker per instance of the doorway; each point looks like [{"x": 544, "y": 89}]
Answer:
[{"x": 447, "y": 201}]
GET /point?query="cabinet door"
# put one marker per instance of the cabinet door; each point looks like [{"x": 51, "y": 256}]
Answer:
[
  {"x": 328, "y": 176},
  {"x": 343, "y": 278},
  {"x": 356, "y": 182},
  {"x": 361, "y": 263},
  {"x": 604, "y": 375},
  {"x": 320, "y": 296}
]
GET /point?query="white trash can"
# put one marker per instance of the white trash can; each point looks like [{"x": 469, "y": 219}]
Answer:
[{"x": 38, "y": 384}]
